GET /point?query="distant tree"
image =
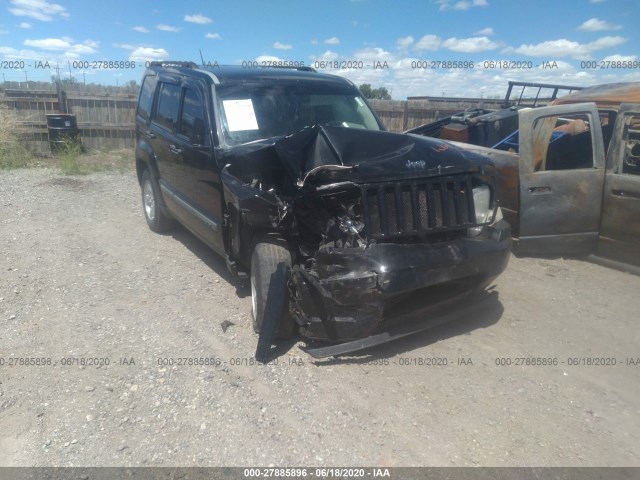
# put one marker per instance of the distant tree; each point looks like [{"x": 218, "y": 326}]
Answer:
[
  {"x": 365, "y": 89},
  {"x": 132, "y": 86},
  {"x": 380, "y": 93}
]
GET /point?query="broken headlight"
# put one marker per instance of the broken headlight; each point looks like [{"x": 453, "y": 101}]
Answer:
[
  {"x": 348, "y": 225},
  {"x": 483, "y": 208}
]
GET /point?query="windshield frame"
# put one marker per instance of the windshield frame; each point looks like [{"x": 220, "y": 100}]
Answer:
[{"x": 236, "y": 90}]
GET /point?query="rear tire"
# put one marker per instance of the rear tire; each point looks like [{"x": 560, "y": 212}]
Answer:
[
  {"x": 266, "y": 277},
  {"x": 157, "y": 220}
]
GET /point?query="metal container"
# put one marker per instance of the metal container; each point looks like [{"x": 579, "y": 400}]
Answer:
[{"x": 63, "y": 130}]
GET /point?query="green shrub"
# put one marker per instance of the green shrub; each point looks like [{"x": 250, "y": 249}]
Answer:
[{"x": 69, "y": 154}]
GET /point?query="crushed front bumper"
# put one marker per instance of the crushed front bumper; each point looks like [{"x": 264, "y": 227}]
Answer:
[{"x": 343, "y": 296}]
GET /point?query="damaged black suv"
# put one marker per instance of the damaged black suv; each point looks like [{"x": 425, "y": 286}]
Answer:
[{"x": 290, "y": 175}]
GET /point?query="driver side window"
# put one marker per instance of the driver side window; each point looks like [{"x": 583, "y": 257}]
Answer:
[
  {"x": 193, "y": 124},
  {"x": 563, "y": 143}
]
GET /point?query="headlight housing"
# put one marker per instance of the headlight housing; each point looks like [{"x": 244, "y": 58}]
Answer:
[{"x": 483, "y": 208}]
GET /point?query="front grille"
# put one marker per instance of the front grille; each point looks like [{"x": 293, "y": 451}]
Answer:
[{"x": 418, "y": 207}]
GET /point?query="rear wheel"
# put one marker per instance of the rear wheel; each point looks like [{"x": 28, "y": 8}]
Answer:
[
  {"x": 157, "y": 220},
  {"x": 270, "y": 264}
]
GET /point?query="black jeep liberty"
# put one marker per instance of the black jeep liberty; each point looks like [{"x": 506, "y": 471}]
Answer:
[{"x": 290, "y": 175}]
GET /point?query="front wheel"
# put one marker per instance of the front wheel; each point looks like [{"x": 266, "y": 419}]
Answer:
[
  {"x": 270, "y": 264},
  {"x": 153, "y": 214}
]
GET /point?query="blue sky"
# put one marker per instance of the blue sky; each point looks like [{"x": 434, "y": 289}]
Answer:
[{"x": 357, "y": 34}]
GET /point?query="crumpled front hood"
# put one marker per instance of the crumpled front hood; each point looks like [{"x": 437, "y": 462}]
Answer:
[
  {"x": 373, "y": 155},
  {"x": 320, "y": 153}
]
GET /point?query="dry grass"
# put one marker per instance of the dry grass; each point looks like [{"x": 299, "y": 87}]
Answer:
[
  {"x": 70, "y": 158},
  {"x": 13, "y": 153},
  {"x": 73, "y": 162}
]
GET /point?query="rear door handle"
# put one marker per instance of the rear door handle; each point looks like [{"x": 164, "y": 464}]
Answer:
[{"x": 175, "y": 150}]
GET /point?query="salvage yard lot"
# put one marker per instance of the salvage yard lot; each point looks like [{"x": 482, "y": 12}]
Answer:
[{"x": 84, "y": 278}]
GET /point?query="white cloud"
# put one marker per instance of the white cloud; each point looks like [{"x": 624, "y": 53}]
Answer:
[
  {"x": 404, "y": 42},
  {"x": 198, "y": 18},
  {"x": 126, "y": 46},
  {"x": 607, "y": 42},
  {"x": 49, "y": 43},
  {"x": 462, "y": 4},
  {"x": 373, "y": 54},
  {"x": 37, "y": 9},
  {"x": 267, "y": 58},
  {"x": 167, "y": 28},
  {"x": 376, "y": 78},
  {"x": 81, "y": 50},
  {"x": 566, "y": 48},
  {"x": 620, "y": 58},
  {"x": 597, "y": 25},
  {"x": 326, "y": 56},
  {"x": 332, "y": 41},
  {"x": 465, "y": 45},
  {"x": 428, "y": 42},
  {"x": 282, "y": 46},
  {"x": 4, "y": 32},
  {"x": 24, "y": 25},
  {"x": 140, "y": 28},
  {"x": 214, "y": 36},
  {"x": 143, "y": 54},
  {"x": 470, "y": 45},
  {"x": 485, "y": 32},
  {"x": 13, "y": 54},
  {"x": 64, "y": 46}
]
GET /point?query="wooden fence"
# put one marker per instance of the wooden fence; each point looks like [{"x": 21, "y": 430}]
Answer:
[{"x": 106, "y": 122}]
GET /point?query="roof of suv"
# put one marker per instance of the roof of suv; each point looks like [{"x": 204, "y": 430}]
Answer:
[{"x": 237, "y": 74}]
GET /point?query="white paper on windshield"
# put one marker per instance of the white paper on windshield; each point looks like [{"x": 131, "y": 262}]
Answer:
[{"x": 240, "y": 115}]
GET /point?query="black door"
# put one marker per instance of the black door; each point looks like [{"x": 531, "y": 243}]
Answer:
[
  {"x": 199, "y": 174},
  {"x": 162, "y": 131}
]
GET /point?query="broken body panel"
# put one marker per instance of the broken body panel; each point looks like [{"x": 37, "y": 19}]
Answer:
[
  {"x": 370, "y": 217},
  {"x": 289, "y": 175},
  {"x": 494, "y": 128},
  {"x": 568, "y": 177}
]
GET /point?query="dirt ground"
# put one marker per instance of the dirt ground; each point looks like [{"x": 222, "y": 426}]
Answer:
[{"x": 97, "y": 313}]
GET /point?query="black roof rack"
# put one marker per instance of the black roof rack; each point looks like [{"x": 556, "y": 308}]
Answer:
[
  {"x": 300, "y": 69},
  {"x": 188, "y": 64},
  {"x": 171, "y": 63}
]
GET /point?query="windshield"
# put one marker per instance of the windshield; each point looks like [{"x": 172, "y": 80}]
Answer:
[{"x": 252, "y": 112}]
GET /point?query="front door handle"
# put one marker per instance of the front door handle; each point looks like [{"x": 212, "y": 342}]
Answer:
[
  {"x": 625, "y": 193},
  {"x": 175, "y": 150},
  {"x": 149, "y": 134},
  {"x": 539, "y": 190}
]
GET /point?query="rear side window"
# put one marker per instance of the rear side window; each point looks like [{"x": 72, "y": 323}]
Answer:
[
  {"x": 631, "y": 141},
  {"x": 168, "y": 106},
  {"x": 192, "y": 124},
  {"x": 145, "y": 101}
]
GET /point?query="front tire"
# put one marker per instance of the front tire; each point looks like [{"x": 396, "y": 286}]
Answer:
[
  {"x": 270, "y": 264},
  {"x": 157, "y": 220}
]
